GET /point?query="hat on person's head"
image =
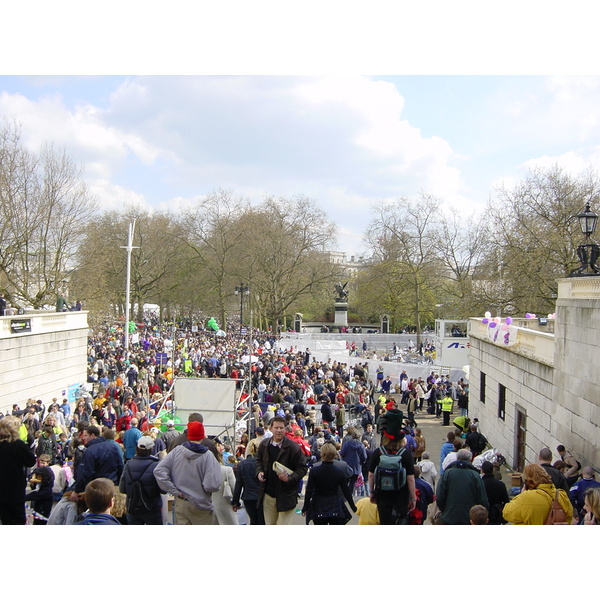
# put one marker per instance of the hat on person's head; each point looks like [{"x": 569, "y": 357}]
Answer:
[
  {"x": 145, "y": 443},
  {"x": 195, "y": 431},
  {"x": 393, "y": 424},
  {"x": 170, "y": 423}
]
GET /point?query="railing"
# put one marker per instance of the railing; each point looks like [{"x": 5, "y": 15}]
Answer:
[
  {"x": 41, "y": 322},
  {"x": 536, "y": 345},
  {"x": 579, "y": 287}
]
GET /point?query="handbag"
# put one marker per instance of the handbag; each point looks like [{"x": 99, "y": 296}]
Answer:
[
  {"x": 557, "y": 515},
  {"x": 227, "y": 491}
]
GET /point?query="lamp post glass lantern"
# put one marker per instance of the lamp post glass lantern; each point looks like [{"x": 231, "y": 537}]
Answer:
[
  {"x": 241, "y": 290},
  {"x": 588, "y": 252}
]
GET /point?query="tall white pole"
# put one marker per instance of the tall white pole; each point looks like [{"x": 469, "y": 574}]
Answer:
[{"x": 129, "y": 248}]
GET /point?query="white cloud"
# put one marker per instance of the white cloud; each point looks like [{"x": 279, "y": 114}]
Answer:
[
  {"x": 342, "y": 141},
  {"x": 573, "y": 162},
  {"x": 115, "y": 197}
]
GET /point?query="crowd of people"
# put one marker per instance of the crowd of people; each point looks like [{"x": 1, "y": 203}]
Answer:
[{"x": 332, "y": 436}]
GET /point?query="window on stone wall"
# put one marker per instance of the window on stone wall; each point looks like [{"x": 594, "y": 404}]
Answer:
[
  {"x": 501, "y": 401},
  {"x": 482, "y": 387}
]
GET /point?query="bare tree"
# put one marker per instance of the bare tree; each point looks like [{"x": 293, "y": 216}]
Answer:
[
  {"x": 403, "y": 236},
  {"x": 461, "y": 244},
  {"x": 534, "y": 237},
  {"x": 44, "y": 206},
  {"x": 157, "y": 263},
  {"x": 212, "y": 231},
  {"x": 284, "y": 243}
]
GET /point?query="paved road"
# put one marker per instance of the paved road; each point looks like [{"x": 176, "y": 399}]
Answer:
[{"x": 435, "y": 435}]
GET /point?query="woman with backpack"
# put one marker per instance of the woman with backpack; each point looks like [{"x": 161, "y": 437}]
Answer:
[
  {"x": 532, "y": 506},
  {"x": 392, "y": 473}
]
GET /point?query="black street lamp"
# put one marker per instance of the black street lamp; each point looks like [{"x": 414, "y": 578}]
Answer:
[
  {"x": 588, "y": 252},
  {"x": 242, "y": 290}
]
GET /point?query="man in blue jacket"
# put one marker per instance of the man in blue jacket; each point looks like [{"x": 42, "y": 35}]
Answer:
[
  {"x": 102, "y": 458},
  {"x": 130, "y": 439}
]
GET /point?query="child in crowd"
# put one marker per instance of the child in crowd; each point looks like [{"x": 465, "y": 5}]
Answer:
[
  {"x": 41, "y": 495},
  {"x": 367, "y": 512}
]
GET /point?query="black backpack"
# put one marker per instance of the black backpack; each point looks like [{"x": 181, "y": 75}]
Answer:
[
  {"x": 137, "y": 500},
  {"x": 482, "y": 443}
]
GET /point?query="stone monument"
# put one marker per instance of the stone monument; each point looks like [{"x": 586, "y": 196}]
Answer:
[{"x": 341, "y": 305}]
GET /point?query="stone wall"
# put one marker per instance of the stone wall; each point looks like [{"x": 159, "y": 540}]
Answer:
[
  {"x": 529, "y": 384},
  {"x": 577, "y": 365},
  {"x": 44, "y": 362},
  {"x": 559, "y": 391}
]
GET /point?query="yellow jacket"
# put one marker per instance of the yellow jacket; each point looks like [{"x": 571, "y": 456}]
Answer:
[{"x": 532, "y": 507}]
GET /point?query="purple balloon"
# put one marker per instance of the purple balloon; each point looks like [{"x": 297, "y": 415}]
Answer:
[
  {"x": 485, "y": 321},
  {"x": 528, "y": 315},
  {"x": 508, "y": 320},
  {"x": 492, "y": 324}
]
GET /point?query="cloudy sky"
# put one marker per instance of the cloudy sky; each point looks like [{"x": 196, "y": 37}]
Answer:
[{"x": 346, "y": 140}]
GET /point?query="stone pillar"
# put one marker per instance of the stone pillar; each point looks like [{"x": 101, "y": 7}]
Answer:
[
  {"x": 341, "y": 314},
  {"x": 298, "y": 322}
]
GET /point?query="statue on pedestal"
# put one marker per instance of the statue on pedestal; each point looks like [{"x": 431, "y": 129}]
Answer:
[{"x": 342, "y": 292}]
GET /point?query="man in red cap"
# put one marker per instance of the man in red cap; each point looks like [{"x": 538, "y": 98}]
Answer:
[
  {"x": 182, "y": 438},
  {"x": 190, "y": 472}
]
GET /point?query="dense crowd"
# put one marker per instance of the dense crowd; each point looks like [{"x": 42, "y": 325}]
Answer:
[{"x": 338, "y": 437}]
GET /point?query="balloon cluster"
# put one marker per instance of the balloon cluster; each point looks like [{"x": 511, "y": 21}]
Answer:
[
  {"x": 212, "y": 323},
  {"x": 534, "y": 316},
  {"x": 132, "y": 326},
  {"x": 497, "y": 325}
]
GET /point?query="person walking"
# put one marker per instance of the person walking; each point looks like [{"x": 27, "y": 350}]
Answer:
[
  {"x": 354, "y": 454},
  {"x": 247, "y": 489},
  {"x": 130, "y": 439},
  {"x": 326, "y": 490},
  {"x": 532, "y": 506},
  {"x": 280, "y": 466},
  {"x": 496, "y": 492},
  {"x": 460, "y": 487},
  {"x": 393, "y": 504},
  {"x": 144, "y": 496},
  {"x": 15, "y": 457},
  {"x": 191, "y": 473}
]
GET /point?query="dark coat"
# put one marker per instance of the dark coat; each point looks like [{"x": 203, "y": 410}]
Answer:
[
  {"x": 326, "y": 413},
  {"x": 475, "y": 441},
  {"x": 42, "y": 498},
  {"x": 290, "y": 455},
  {"x": 558, "y": 479},
  {"x": 459, "y": 489},
  {"x": 354, "y": 453},
  {"x": 14, "y": 458},
  {"x": 497, "y": 496},
  {"x": 102, "y": 458},
  {"x": 142, "y": 468},
  {"x": 326, "y": 489},
  {"x": 247, "y": 486}
]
